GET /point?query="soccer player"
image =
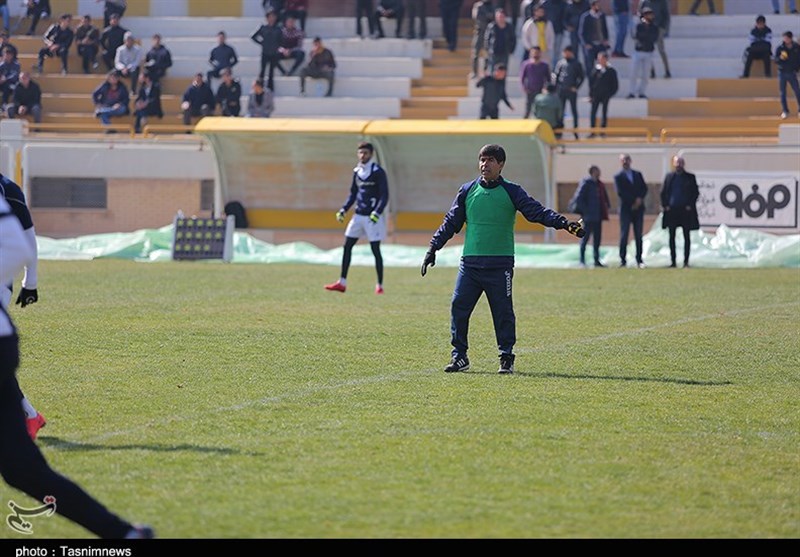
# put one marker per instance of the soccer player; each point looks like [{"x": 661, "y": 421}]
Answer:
[
  {"x": 13, "y": 195},
  {"x": 369, "y": 190},
  {"x": 488, "y": 206},
  {"x": 22, "y": 465}
]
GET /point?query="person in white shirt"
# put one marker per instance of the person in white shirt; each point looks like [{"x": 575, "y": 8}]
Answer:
[{"x": 128, "y": 60}]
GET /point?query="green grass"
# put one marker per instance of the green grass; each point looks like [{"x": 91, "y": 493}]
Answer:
[{"x": 244, "y": 401}]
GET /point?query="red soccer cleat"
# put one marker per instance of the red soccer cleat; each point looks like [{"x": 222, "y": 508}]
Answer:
[
  {"x": 379, "y": 289},
  {"x": 34, "y": 425},
  {"x": 336, "y": 287}
]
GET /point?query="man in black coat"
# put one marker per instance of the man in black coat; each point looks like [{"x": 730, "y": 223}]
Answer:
[
  {"x": 229, "y": 94},
  {"x": 631, "y": 191},
  {"x": 148, "y": 101},
  {"x": 603, "y": 85},
  {"x": 111, "y": 39},
  {"x": 450, "y": 10},
  {"x": 269, "y": 37},
  {"x": 223, "y": 56},
  {"x": 679, "y": 201}
]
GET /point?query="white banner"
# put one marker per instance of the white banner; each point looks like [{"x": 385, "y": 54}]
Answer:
[{"x": 767, "y": 201}]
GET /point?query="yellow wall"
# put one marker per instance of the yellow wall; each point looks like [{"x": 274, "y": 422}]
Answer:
[
  {"x": 206, "y": 8},
  {"x": 138, "y": 8},
  {"x": 63, "y": 7}
]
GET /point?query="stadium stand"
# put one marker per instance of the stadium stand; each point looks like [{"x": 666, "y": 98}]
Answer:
[{"x": 421, "y": 79}]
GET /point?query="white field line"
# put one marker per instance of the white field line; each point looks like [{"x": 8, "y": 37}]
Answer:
[{"x": 310, "y": 391}]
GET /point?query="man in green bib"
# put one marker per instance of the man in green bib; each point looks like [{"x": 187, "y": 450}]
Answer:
[{"x": 488, "y": 206}]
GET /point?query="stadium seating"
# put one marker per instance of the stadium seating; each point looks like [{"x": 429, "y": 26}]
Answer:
[{"x": 398, "y": 78}]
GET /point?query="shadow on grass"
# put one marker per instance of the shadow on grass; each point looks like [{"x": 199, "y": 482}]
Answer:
[
  {"x": 674, "y": 380},
  {"x": 64, "y": 445}
]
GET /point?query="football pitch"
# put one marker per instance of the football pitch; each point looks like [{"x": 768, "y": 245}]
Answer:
[{"x": 245, "y": 401}]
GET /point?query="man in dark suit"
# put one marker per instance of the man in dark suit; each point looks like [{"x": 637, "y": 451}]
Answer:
[
  {"x": 679, "y": 201},
  {"x": 591, "y": 202},
  {"x": 631, "y": 189}
]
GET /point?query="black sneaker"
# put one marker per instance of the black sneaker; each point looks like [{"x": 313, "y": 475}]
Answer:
[
  {"x": 506, "y": 363},
  {"x": 458, "y": 363}
]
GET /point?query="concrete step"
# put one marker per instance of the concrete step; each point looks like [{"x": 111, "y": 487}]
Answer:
[
  {"x": 708, "y": 107},
  {"x": 244, "y": 46},
  {"x": 413, "y": 113},
  {"x": 452, "y": 91},
  {"x": 439, "y": 82},
  {"x": 752, "y": 87},
  {"x": 435, "y": 103},
  {"x": 446, "y": 71},
  {"x": 469, "y": 107},
  {"x": 656, "y": 89}
]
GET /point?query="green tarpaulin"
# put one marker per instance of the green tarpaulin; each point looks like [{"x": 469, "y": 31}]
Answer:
[{"x": 726, "y": 248}]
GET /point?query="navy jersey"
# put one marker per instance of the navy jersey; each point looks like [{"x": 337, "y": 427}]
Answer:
[
  {"x": 370, "y": 194},
  {"x": 16, "y": 199}
]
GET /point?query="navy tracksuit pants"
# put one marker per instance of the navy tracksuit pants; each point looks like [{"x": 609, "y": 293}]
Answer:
[{"x": 471, "y": 282}]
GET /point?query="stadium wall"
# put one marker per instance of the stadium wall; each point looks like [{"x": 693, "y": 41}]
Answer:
[{"x": 148, "y": 181}]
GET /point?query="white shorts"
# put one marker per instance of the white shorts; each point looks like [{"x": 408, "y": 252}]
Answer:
[{"x": 360, "y": 226}]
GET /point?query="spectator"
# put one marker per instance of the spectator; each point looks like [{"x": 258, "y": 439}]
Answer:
[
  {"x": 390, "y": 9},
  {"x": 572, "y": 18},
  {"x": 158, "y": 60},
  {"x": 291, "y": 46},
  {"x": 129, "y": 60},
  {"x": 534, "y": 75},
  {"x": 222, "y": 56},
  {"x": 501, "y": 40},
  {"x": 662, "y": 22},
  {"x": 5, "y": 44},
  {"x": 27, "y": 99},
  {"x": 548, "y": 107},
  {"x": 568, "y": 77},
  {"x": 37, "y": 9},
  {"x": 229, "y": 95},
  {"x": 538, "y": 32},
  {"x": 321, "y": 65},
  {"x": 198, "y": 100},
  {"x": 450, "y": 10},
  {"x": 592, "y": 203},
  {"x": 4, "y": 13},
  {"x": 9, "y": 75},
  {"x": 679, "y": 197},
  {"x": 111, "y": 98},
  {"x": 494, "y": 91},
  {"x": 696, "y": 4},
  {"x": 514, "y": 11},
  {"x": 593, "y": 32},
  {"x": 776, "y": 6},
  {"x": 148, "y": 101},
  {"x": 87, "y": 41},
  {"x": 57, "y": 40},
  {"x": 276, "y": 6},
  {"x": 482, "y": 16},
  {"x": 760, "y": 47},
  {"x": 787, "y": 57},
  {"x": 269, "y": 37},
  {"x": 260, "y": 103},
  {"x": 417, "y": 11},
  {"x": 297, "y": 9},
  {"x": 622, "y": 18},
  {"x": 554, "y": 12},
  {"x": 113, "y": 7},
  {"x": 602, "y": 86},
  {"x": 365, "y": 8},
  {"x": 631, "y": 191},
  {"x": 111, "y": 39},
  {"x": 644, "y": 43}
]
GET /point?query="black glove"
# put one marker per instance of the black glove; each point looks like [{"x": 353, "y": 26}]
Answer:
[
  {"x": 27, "y": 297},
  {"x": 430, "y": 259},
  {"x": 576, "y": 229}
]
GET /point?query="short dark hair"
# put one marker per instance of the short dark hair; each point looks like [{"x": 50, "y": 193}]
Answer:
[
  {"x": 366, "y": 145},
  {"x": 569, "y": 48},
  {"x": 551, "y": 88},
  {"x": 260, "y": 81},
  {"x": 221, "y": 33},
  {"x": 761, "y": 19},
  {"x": 788, "y": 34},
  {"x": 494, "y": 151},
  {"x": 500, "y": 67},
  {"x": 317, "y": 39}
]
